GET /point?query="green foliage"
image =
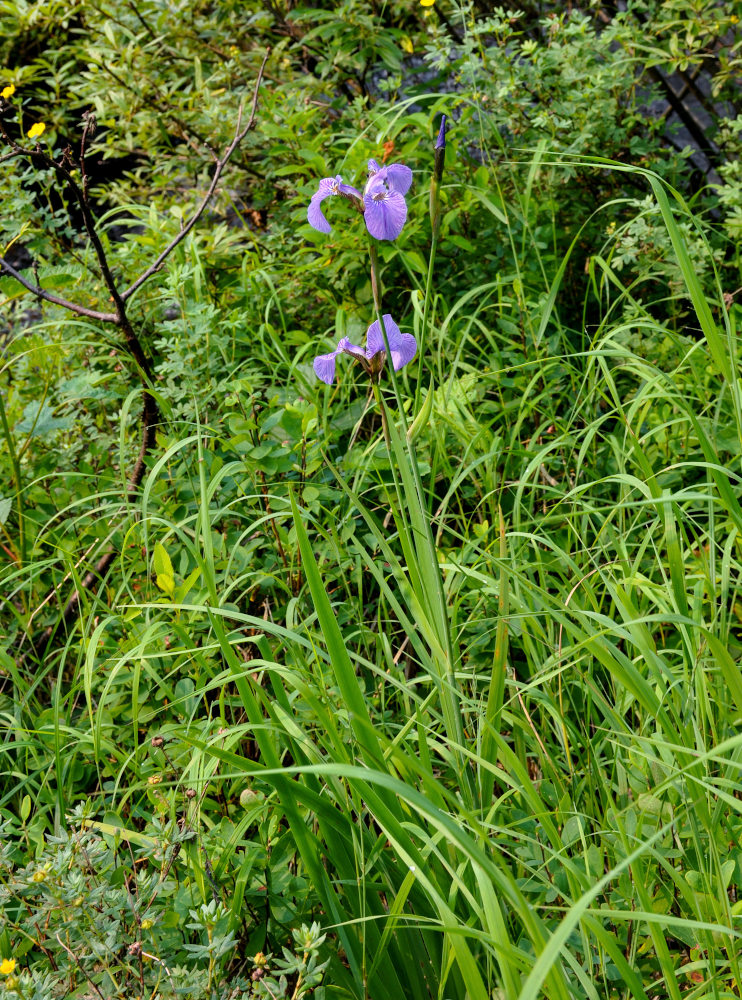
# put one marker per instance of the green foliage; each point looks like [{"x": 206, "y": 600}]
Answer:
[
  {"x": 120, "y": 913},
  {"x": 373, "y": 700}
]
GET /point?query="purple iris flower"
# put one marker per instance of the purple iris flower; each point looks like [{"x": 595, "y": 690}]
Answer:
[
  {"x": 385, "y": 209},
  {"x": 403, "y": 348},
  {"x": 327, "y": 187},
  {"x": 382, "y": 202}
]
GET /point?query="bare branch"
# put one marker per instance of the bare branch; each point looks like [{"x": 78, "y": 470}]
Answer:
[
  {"x": 88, "y": 130},
  {"x": 119, "y": 317},
  {"x": 90, "y": 227},
  {"x": 6, "y": 268},
  {"x": 79, "y": 964},
  {"x": 40, "y": 155},
  {"x": 220, "y": 165}
]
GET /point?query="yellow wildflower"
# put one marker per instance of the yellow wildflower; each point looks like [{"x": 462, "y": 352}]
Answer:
[
  {"x": 36, "y": 130},
  {"x": 146, "y": 924},
  {"x": 427, "y": 3},
  {"x": 8, "y": 91},
  {"x": 7, "y": 967}
]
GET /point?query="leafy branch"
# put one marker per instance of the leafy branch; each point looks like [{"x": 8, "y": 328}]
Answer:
[{"x": 64, "y": 168}]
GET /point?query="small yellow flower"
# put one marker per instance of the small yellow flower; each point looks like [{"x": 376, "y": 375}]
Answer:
[
  {"x": 734, "y": 19},
  {"x": 146, "y": 924},
  {"x": 7, "y": 967},
  {"x": 39, "y": 876},
  {"x": 427, "y": 3},
  {"x": 8, "y": 91},
  {"x": 36, "y": 130},
  {"x": 407, "y": 45}
]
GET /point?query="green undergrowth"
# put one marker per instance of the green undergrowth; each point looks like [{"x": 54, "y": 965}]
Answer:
[{"x": 452, "y": 713}]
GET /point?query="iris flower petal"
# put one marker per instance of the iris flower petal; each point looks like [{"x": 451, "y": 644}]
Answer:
[
  {"x": 375, "y": 338},
  {"x": 315, "y": 216},
  {"x": 324, "y": 367},
  {"x": 327, "y": 186},
  {"x": 398, "y": 177},
  {"x": 402, "y": 346},
  {"x": 386, "y": 212},
  {"x": 324, "y": 364},
  {"x": 348, "y": 190},
  {"x": 403, "y": 351},
  {"x": 346, "y": 347}
]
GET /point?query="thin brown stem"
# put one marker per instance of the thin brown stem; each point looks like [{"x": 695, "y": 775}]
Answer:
[
  {"x": 119, "y": 317},
  {"x": 80, "y": 966},
  {"x": 88, "y": 130},
  {"x": 219, "y": 167},
  {"x": 6, "y": 268}
]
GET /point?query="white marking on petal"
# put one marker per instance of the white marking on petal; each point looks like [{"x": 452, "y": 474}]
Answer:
[{"x": 385, "y": 218}]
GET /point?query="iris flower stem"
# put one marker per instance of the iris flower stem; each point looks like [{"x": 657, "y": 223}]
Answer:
[
  {"x": 451, "y": 704},
  {"x": 384, "y": 426},
  {"x": 426, "y": 308}
]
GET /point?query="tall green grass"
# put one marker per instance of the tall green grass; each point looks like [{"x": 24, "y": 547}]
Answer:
[{"x": 523, "y": 784}]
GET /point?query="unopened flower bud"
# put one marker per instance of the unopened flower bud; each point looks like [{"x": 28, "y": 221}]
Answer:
[
  {"x": 435, "y": 180},
  {"x": 440, "y": 150}
]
